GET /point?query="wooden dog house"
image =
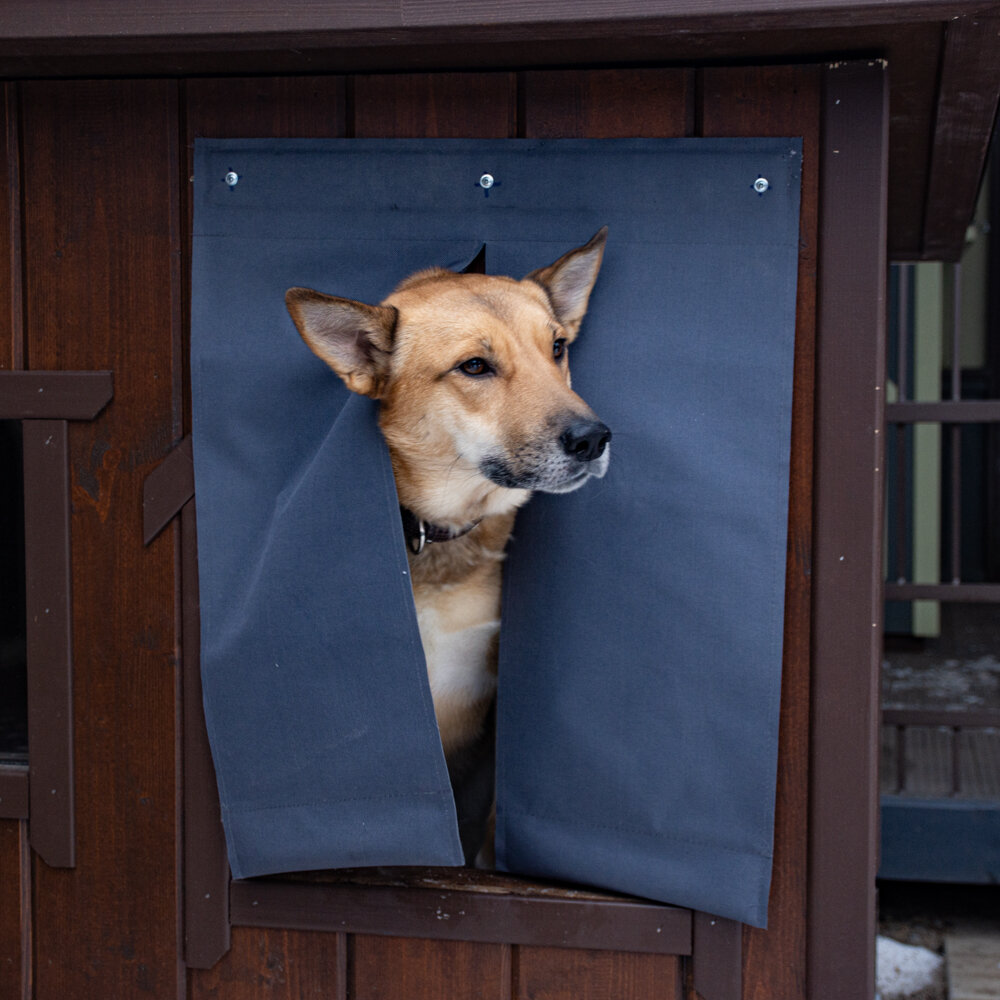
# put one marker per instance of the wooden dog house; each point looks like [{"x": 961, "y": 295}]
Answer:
[{"x": 113, "y": 876}]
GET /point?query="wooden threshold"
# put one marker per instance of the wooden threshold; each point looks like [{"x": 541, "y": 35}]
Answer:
[{"x": 460, "y": 904}]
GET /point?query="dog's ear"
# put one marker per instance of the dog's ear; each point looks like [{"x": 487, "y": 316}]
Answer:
[
  {"x": 353, "y": 338},
  {"x": 570, "y": 280}
]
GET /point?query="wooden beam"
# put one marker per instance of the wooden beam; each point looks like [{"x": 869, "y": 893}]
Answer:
[
  {"x": 54, "y": 395},
  {"x": 964, "y": 593},
  {"x": 167, "y": 489},
  {"x": 560, "y": 922},
  {"x": 13, "y": 791},
  {"x": 49, "y": 617},
  {"x": 847, "y": 547},
  {"x": 61, "y": 20},
  {"x": 946, "y": 411},
  {"x": 967, "y": 106}
]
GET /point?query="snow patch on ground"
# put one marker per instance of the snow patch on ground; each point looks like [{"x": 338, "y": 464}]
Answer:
[{"x": 905, "y": 971}]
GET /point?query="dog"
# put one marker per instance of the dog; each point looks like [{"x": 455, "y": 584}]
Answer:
[{"x": 472, "y": 376}]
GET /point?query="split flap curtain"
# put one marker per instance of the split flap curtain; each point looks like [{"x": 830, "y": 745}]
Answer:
[{"x": 640, "y": 658}]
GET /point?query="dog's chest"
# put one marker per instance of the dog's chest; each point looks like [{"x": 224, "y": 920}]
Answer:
[
  {"x": 460, "y": 663},
  {"x": 459, "y": 629}
]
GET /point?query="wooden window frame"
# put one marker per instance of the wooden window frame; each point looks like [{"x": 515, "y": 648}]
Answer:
[{"x": 43, "y": 791}]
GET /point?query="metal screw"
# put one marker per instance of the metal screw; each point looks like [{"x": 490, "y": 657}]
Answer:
[
  {"x": 761, "y": 185},
  {"x": 486, "y": 182},
  {"x": 232, "y": 178}
]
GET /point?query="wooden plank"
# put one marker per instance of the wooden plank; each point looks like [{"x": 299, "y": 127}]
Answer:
[
  {"x": 167, "y": 489},
  {"x": 205, "y": 863},
  {"x": 12, "y": 349},
  {"x": 485, "y": 916},
  {"x": 48, "y": 631},
  {"x": 438, "y": 106},
  {"x": 960, "y": 761},
  {"x": 608, "y": 104},
  {"x": 38, "y": 395},
  {"x": 15, "y": 911},
  {"x": 785, "y": 101},
  {"x": 276, "y": 965},
  {"x": 61, "y": 20},
  {"x": 912, "y": 52},
  {"x": 304, "y": 107},
  {"x": 970, "y": 718},
  {"x": 847, "y": 550},
  {"x": 966, "y": 593},
  {"x": 388, "y": 968},
  {"x": 568, "y": 974},
  {"x": 100, "y": 174},
  {"x": 717, "y": 958},
  {"x": 979, "y": 764},
  {"x": 972, "y": 954},
  {"x": 945, "y": 411},
  {"x": 889, "y": 782},
  {"x": 967, "y": 106},
  {"x": 927, "y": 764},
  {"x": 13, "y": 791}
]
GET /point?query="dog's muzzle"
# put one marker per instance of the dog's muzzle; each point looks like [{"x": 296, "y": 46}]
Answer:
[{"x": 557, "y": 464}]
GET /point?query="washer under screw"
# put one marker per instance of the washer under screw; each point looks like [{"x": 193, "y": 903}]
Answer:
[
  {"x": 486, "y": 182},
  {"x": 232, "y": 178},
  {"x": 761, "y": 185}
]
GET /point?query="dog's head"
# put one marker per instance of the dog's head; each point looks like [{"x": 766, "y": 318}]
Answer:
[{"x": 472, "y": 372}]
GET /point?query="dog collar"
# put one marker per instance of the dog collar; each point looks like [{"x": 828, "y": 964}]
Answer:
[{"x": 419, "y": 533}]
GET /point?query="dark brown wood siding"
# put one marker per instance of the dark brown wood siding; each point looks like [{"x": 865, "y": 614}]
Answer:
[{"x": 100, "y": 270}]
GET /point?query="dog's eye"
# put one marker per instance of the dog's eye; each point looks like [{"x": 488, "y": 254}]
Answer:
[
  {"x": 559, "y": 348},
  {"x": 475, "y": 366}
]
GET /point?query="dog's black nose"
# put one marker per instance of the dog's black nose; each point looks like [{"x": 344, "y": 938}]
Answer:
[{"x": 585, "y": 440}]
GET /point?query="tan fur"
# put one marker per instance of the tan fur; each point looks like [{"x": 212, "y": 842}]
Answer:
[{"x": 444, "y": 427}]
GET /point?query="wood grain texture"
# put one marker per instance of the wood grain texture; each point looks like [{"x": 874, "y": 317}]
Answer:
[
  {"x": 48, "y": 633},
  {"x": 13, "y": 791},
  {"x": 275, "y": 965},
  {"x": 389, "y": 968},
  {"x": 608, "y": 104},
  {"x": 15, "y": 911},
  {"x": 435, "y": 106},
  {"x": 569, "y": 974},
  {"x": 785, "y": 101},
  {"x": 914, "y": 96},
  {"x": 64, "y": 19},
  {"x": 414, "y": 902},
  {"x": 847, "y": 546},
  {"x": 967, "y": 107},
  {"x": 12, "y": 345},
  {"x": 717, "y": 958},
  {"x": 100, "y": 170},
  {"x": 291, "y": 107},
  {"x": 29, "y": 395}
]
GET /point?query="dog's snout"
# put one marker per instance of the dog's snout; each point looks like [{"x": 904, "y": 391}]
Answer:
[{"x": 585, "y": 440}]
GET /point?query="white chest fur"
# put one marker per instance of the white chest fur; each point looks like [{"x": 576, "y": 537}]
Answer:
[
  {"x": 459, "y": 627},
  {"x": 457, "y": 661}
]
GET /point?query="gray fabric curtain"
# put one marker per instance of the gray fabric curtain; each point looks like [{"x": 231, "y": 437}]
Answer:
[{"x": 641, "y": 643}]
